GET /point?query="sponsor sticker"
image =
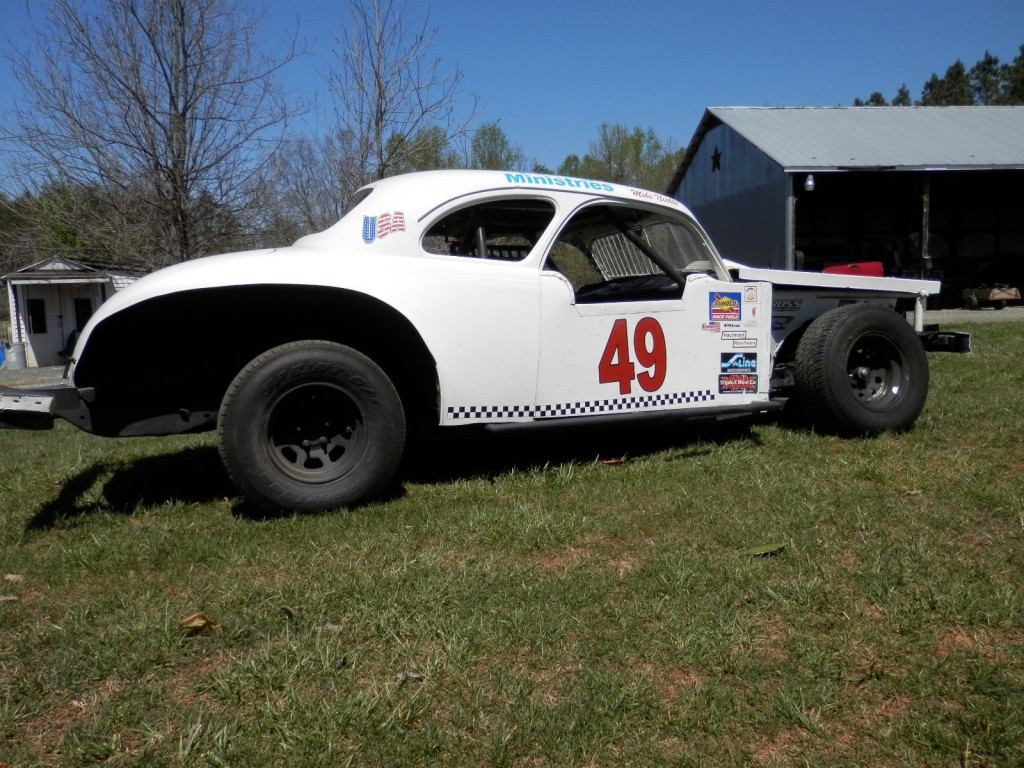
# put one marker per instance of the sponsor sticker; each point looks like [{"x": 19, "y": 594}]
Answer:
[
  {"x": 750, "y": 294},
  {"x": 737, "y": 383},
  {"x": 786, "y": 305},
  {"x": 724, "y": 306},
  {"x": 739, "y": 362},
  {"x": 713, "y": 327},
  {"x": 744, "y": 344},
  {"x": 727, "y": 335}
]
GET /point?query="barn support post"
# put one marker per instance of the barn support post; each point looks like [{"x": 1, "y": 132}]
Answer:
[
  {"x": 926, "y": 195},
  {"x": 791, "y": 228}
]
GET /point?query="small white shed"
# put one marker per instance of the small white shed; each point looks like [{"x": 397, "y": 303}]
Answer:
[{"x": 51, "y": 301}]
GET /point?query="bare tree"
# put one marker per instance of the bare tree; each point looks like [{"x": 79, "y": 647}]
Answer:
[
  {"x": 301, "y": 192},
  {"x": 394, "y": 111},
  {"x": 164, "y": 109},
  {"x": 390, "y": 89}
]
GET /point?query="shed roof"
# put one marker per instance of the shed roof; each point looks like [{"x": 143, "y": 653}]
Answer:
[
  {"x": 862, "y": 138},
  {"x": 61, "y": 269}
]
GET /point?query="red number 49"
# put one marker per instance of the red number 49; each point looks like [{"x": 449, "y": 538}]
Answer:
[{"x": 616, "y": 365}]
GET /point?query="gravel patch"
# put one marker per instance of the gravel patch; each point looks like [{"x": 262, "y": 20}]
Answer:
[{"x": 954, "y": 317}]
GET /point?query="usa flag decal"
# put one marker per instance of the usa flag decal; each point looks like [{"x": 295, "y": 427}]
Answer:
[
  {"x": 369, "y": 229},
  {"x": 381, "y": 226}
]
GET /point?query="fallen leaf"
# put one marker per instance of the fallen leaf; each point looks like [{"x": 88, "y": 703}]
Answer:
[
  {"x": 613, "y": 462},
  {"x": 408, "y": 675},
  {"x": 288, "y": 611},
  {"x": 328, "y": 627},
  {"x": 14, "y": 578},
  {"x": 764, "y": 550},
  {"x": 8, "y": 598},
  {"x": 198, "y": 624}
]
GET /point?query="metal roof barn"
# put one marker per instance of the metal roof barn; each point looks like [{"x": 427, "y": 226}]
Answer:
[{"x": 933, "y": 191}]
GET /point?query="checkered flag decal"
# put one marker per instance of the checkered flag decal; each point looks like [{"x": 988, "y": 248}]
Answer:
[{"x": 585, "y": 408}]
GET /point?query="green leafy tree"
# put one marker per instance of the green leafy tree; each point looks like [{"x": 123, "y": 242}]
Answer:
[
  {"x": 876, "y": 99},
  {"x": 987, "y": 82},
  {"x": 1013, "y": 80},
  {"x": 627, "y": 156},
  {"x": 952, "y": 89},
  {"x": 902, "y": 97},
  {"x": 491, "y": 149},
  {"x": 986, "y": 78},
  {"x": 429, "y": 149}
]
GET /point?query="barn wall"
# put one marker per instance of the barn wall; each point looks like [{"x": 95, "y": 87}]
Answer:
[{"x": 742, "y": 200}]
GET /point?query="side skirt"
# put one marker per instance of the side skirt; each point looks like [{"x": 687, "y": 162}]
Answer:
[{"x": 623, "y": 419}]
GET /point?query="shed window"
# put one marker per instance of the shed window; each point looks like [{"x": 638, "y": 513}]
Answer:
[
  {"x": 37, "y": 315},
  {"x": 500, "y": 229}
]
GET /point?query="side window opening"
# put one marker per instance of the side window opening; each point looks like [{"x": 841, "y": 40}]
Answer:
[
  {"x": 37, "y": 316},
  {"x": 505, "y": 230},
  {"x": 614, "y": 253}
]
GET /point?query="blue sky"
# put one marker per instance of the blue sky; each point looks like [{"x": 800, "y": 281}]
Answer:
[{"x": 552, "y": 70}]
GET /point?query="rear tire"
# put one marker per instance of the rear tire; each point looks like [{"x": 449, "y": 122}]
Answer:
[
  {"x": 861, "y": 369},
  {"x": 310, "y": 426}
]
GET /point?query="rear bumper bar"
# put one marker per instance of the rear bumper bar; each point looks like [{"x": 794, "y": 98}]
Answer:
[{"x": 935, "y": 340}]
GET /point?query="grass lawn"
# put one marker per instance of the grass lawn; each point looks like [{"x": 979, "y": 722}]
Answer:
[{"x": 534, "y": 601}]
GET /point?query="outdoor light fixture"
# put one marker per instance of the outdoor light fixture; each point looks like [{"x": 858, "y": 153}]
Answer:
[{"x": 809, "y": 183}]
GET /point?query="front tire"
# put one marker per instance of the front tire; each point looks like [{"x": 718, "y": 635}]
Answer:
[
  {"x": 311, "y": 426},
  {"x": 861, "y": 369}
]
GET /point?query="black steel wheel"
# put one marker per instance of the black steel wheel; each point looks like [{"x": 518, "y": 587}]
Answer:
[
  {"x": 875, "y": 368},
  {"x": 310, "y": 426},
  {"x": 861, "y": 369}
]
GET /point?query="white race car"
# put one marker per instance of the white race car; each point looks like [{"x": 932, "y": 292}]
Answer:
[{"x": 454, "y": 298}]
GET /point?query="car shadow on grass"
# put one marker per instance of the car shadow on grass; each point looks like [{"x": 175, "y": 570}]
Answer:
[
  {"x": 191, "y": 476},
  {"x": 196, "y": 475},
  {"x": 490, "y": 456}
]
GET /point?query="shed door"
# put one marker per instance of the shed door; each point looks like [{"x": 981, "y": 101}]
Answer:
[{"x": 53, "y": 316}]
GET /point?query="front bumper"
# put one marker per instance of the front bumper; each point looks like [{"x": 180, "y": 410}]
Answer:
[{"x": 37, "y": 408}]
